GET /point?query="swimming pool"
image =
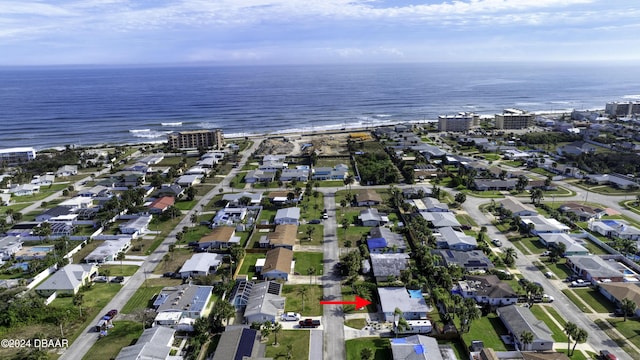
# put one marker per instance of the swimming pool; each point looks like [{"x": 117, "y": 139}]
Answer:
[
  {"x": 415, "y": 294},
  {"x": 610, "y": 222},
  {"x": 41, "y": 248}
]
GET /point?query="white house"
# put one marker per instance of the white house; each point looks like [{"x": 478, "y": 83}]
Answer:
[
  {"x": 154, "y": 343},
  {"x": 68, "y": 280},
  {"x": 179, "y": 306},
  {"x": 24, "y": 190},
  {"x": 448, "y": 238},
  {"x": 486, "y": 289},
  {"x": 200, "y": 264},
  {"x": 615, "y": 228},
  {"x": 289, "y": 215},
  {"x": 136, "y": 226},
  {"x": 67, "y": 170},
  {"x": 412, "y": 305},
  {"x": 108, "y": 250},
  {"x": 540, "y": 224}
]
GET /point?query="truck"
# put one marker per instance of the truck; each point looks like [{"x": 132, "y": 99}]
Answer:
[
  {"x": 580, "y": 283},
  {"x": 309, "y": 323}
]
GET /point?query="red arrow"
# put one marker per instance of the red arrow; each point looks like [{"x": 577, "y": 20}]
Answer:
[{"x": 359, "y": 302}]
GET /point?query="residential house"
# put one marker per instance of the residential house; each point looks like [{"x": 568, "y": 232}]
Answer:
[
  {"x": 129, "y": 178},
  {"x": 290, "y": 215},
  {"x": 434, "y": 205},
  {"x": 383, "y": 240},
  {"x": 67, "y": 170},
  {"x": 241, "y": 197},
  {"x": 169, "y": 190},
  {"x": 160, "y": 205},
  {"x": 415, "y": 347},
  {"x": 576, "y": 148},
  {"x": 468, "y": 260},
  {"x": 198, "y": 170},
  {"x": 539, "y": 224},
  {"x": 154, "y": 343},
  {"x": 229, "y": 216},
  {"x": 259, "y": 176},
  {"x": 294, "y": 174},
  {"x": 138, "y": 167},
  {"x": 280, "y": 197},
  {"x": 9, "y": 245},
  {"x": 277, "y": 264},
  {"x": 136, "y": 226},
  {"x": 494, "y": 184},
  {"x": 441, "y": 219},
  {"x": 98, "y": 191},
  {"x": 368, "y": 197},
  {"x": 43, "y": 180},
  {"x": 151, "y": 159},
  {"x": 200, "y": 264},
  {"x": 572, "y": 245},
  {"x": 54, "y": 212},
  {"x": 388, "y": 266},
  {"x": 616, "y": 292},
  {"x": 615, "y": 229},
  {"x": 448, "y": 238},
  {"x": 517, "y": 208},
  {"x": 220, "y": 237},
  {"x": 239, "y": 343},
  {"x": 416, "y": 192},
  {"x": 283, "y": 236},
  {"x": 24, "y": 190},
  {"x": 179, "y": 306},
  {"x": 273, "y": 162},
  {"x": 490, "y": 354},
  {"x": 68, "y": 280},
  {"x": 617, "y": 180},
  {"x": 593, "y": 268},
  {"x": 264, "y": 302},
  {"x": 77, "y": 203},
  {"x": 519, "y": 319},
  {"x": 24, "y": 228},
  {"x": 583, "y": 212},
  {"x": 338, "y": 172},
  {"x": 412, "y": 304},
  {"x": 486, "y": 289},
  {"x": 371, "y": 217},
  {"x": 189, "y": 180},
  {"x": 108, "y": 250}
]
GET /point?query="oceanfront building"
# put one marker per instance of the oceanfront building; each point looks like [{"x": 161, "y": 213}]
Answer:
[
  {"x": 514, "y": 119},
  {"x": 14, "y": 156},
  {"x": 626, "y": 108},
  {"x": 194, "y": 139},
  {"x": 462, "y": 122}
]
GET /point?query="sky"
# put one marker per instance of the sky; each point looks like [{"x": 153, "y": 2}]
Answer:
[{"x": 245, "y": 32}]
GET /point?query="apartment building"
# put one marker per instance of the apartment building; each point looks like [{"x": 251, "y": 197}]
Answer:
[
  {"x": 194, "y": 139},
  {"x": 514, "y": 119}
]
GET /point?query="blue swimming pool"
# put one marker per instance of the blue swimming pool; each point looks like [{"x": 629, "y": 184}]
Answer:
[
  {"x": 41, "y": 248},
  {"x": 415, "y": 294},
  {"x": 628, "y": 272}
]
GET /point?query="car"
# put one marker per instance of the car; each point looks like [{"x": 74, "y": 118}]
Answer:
[
  {"x": 117, "y": 279},
  {"x": 309, "y": 323},
  {"x": 168, "y": 274},
  {"x": 290, "y": 316},
  {"x": 315, "y": 221},
  {"x": 580, "y": 283},
  {"x": 546, "y": 253},
  {"x": 606, "y": 355},
  {"x": 548, "y": 274},
  {"x": 325, "y": 216},
  {"x": 112, "y": 313},
  {"x": 100, "y": 279},
  {"x": 496, "y": 242}
]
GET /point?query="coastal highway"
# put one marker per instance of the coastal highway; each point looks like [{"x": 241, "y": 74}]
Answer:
[{"x": 88, "y": 337}]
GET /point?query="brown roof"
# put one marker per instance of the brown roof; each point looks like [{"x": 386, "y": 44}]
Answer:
[
  {"x": 220, "y": 234},
  {"x": 621, "y": 290},
  {"x": 278, "y": 193},
  {"x": 163, "y": 202},
  {"x": 369, "y": 195},
  {"x": 488, "y": 354},
  {"x": 278, "y": 259},
  {"x": 283, "y": 235}
]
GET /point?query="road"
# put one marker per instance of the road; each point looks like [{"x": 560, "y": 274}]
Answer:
[
  {"x": 85, "y": 341},
  {"x": 333, "y": 316}
]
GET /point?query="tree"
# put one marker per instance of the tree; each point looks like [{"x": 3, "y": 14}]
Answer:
[
  {"x": 522, "y": 183},
  {"x": 311, "y": 270},
  {"x": 310, "y": 231},
  {"x": 536, "y": 196},
  {"x": 237, "y": 252},
  {"x": 303, "y": 291},
  {"x": 403, "y": 326},
  {"x": 526, "y": 338},
  {"x": 348, "y": 180},
  {"x": 289, "y": 351},
  {"x": 78, "y": 300},
  {"x": 191, "y": 193},
  {"x": 267, "y": 326},
  {"x": 460, "y": 198},
  {"x": 120, "y": 257},
  {"x": 569, "y": 329},
  {"x": 366, "y": 354},
  {"x": 580, "y": 336},
  {"x": 396, "y": 312},
  {"x": 276, "y": 330},
  {"x": 628, "y": 307},
  {"x": 510, "y": 256}
]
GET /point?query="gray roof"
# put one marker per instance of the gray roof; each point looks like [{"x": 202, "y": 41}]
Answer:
[
  {"x": 571, "y": 244},
  {"x": 255, "y": 197},
  {"x": 236, "y": 342},
  {"x": 453, "y": 237},
  {"x": 202, "y": 262},
  {"x": 543, "y": 224},
  {"x": 515, "y": 206},
  {"x": 596, "y": 266},
  {"x": 154, "y": 343},
  {"x": 369, "y": 214},
  {"x": 415, "y": 347},
  {"x": 391, "y": 237},
  {"x": 67, "y": 278},
  {"x": 288, "y": 213},
  {"x": 187, "y": 296},
  {"x": 430, "y": 203},
  {"x": 441, "y": 219},
  {"x": 465, "y": 259},
  {"x": 388, "y": 264},
  {"x": 261, "y": 301},
  {"x": 398, "y": 297},
  {"x": 520, "y": 319}
]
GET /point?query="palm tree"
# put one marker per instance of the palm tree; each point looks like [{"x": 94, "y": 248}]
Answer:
[
  {"x": 289, "y": 351},
  {"x": 267, "y": 326},
  {"x": 580, "y": 336},
  {"x": 276, "y": 329},
  {"x": 569, "y": 329},
  {"x": 310, "y": 231},
  {"x": 311, "y": 270},
  {"x": 396, "y": 312},
  {"x": 348, "y": 180},
  {"x": 628, "y": 307},
  {"x": 78, "y": 300},
  {"x": 510, "y": 256},
  {"x": 366, "y": 354},
  {"x": 536, "y": 196},
  {"x": 526, "y": 338},
  {"x": 302, "y": 291}
]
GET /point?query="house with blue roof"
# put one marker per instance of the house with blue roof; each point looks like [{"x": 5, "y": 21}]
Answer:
[{"x": 383, "y": 240}]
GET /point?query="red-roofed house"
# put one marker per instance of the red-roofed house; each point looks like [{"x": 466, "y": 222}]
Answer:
[{"x": 161, "y": 204}]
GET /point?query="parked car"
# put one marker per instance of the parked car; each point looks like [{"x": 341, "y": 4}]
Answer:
[
  {"x": 580, "y": 283},
  {"x": 325, "y": 216},
  {"x": 546, "y": 253},
  {"x": 497, "y": 242},
  {"x": 168, "y": 274},
  {"x": 290, "y": 316},
  {"x": 112, "y": 313},
  {"x": 606, "y": 355},
  {"x": 315, "y": 221},
  {"x": 117, "y": 279},
  {"x": 309, "y": 323},
  {"x": 548, "y": 274},
  {"x": 100, "y": 279}
]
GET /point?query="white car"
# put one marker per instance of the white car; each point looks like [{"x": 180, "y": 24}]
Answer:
[{"x": 290, "y": 316}]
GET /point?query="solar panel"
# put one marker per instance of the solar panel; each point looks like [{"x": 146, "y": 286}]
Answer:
[
  {"x": 274, "y": 288},
  {"x": 245, "y": 345}
]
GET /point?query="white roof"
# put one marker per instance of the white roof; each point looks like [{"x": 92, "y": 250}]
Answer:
[
  {"x": 288, "y": 213},
  {"x": 201, "y": 262}
]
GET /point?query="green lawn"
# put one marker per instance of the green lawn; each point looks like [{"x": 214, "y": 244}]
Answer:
[
  {"x": 174, "y": 262},
  {"x": 576, "y": 300},
  {"x": 621, "y": 341},
  {"x": 560, "y": 268},
  {"x": 353, "y": 234},
  {"x": 123, "y": 333},
  {"x": 465, "y": 219},
  {"x": 356, "y": 323},
  {"x": 141, "y": 299},
  {"x": 86, "y": 250},
  {"x": 298, "y": 339},
  {"x": 381, "y": 348},
  {"x": 249, "y": 264},
  {"x": 488, "y": 329},
  {"x": 312, "y": 300},
  {"x": 532, "y": 243},
  {"x": 316, "y": 237},
  {"x": 630, "y": 329},
  {"x": 266, "y": 214},
  {"x": 305, "y": 260},
  {"x": 185, "y": 205},
  {"x": 194, "y": 233},
  {"x": 557, "y": 333},
  {"x": 596, "y": 300},
  {"x": 120, "y": 270},
  {"x": 554, "y": 313}
]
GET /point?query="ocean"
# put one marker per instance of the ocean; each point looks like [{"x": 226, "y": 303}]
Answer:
[{"x": 51, "y": 107}]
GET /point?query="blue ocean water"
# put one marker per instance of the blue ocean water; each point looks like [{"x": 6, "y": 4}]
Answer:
[{"x": 59, "y": 106}]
